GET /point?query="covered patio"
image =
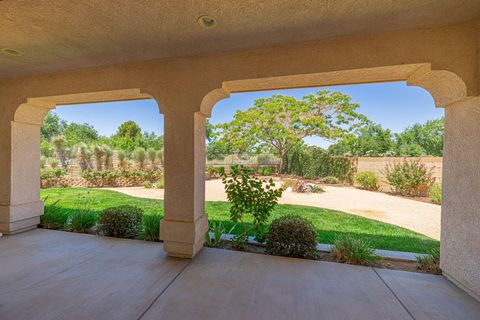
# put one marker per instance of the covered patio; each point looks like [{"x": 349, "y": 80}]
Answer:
[
  {"x": 57, "y": 275},
  {"x": 187, "y": 55}
]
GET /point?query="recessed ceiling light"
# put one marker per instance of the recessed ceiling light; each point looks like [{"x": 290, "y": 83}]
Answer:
[
  {"x": 207, "y": 22},
  {"x": 10, "y": 52}
]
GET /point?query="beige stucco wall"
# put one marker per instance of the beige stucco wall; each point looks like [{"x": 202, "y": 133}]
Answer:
[
  {"x": 444, "y": 61},
  {"x": 460, "y": 237}
]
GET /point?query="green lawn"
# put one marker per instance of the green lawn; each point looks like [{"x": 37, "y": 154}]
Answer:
[{"x": 329, "y": 223}]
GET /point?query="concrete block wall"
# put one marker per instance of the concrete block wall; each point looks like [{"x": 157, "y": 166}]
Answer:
[{"x": 378, "y": 165}]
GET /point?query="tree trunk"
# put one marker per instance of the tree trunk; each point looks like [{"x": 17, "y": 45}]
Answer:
[{"x": 280, "y": 164}]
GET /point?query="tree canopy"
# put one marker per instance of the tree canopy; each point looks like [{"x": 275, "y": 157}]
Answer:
[
  {"x": 372, "y": 140},
  {"x": 418, "y": 140},
  {"x": 422, "y": 139},
  {"x": 128, "y": 136},
  {"x": 129, "y": 129},
  {"x": 75, "y": 133},
  {"x": 52, "y": 126},
  {"x": 280, "y": 123}
]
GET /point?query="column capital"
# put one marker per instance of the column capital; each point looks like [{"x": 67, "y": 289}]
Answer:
[{"x": 445, "y": 86}]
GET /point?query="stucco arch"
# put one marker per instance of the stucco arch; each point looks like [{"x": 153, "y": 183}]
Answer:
[
  {"x": 211, "y": 98},
  {"x": 32, "y": 113},
  {"x": 445, "y": 87},
  {"x": 34, "y": 110}
]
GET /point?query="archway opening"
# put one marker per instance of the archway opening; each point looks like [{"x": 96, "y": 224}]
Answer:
[
  {"x": 374, "y": 132},
  {"x": 96, "y": 161}
]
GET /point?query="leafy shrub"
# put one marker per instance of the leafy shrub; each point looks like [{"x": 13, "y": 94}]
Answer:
[
  {"x": 50, "y": 177},
  {"x": 265, "y": 171},
  {"x": 231, "y": 159},
  {"x": 122, "y": 160},
  {"x": 300, "y": 187},
  {"x": 54, "y": 217},
  {"x": 250, "y": 195},
  {"x": 59, "y": 144},
  {"x": 212, "y": 172},
  {"x": 151, "y": 175},
  {"x": 260, "y": 232},
  {"x": 152, "y": 156},
  {"x": 352, "y": 250},
  {"x": 240, "y": 240},
  {"x": 330, "y": 180},
  {"x": 47, "y": 174},
  {"x": 160, "y": 184},
  {"x": 289, "y": 183},
  {"x": 83, "y": 156},
  {"x": 53, "y": 163},
  {"x": 160, "y": 156},
  {"x": 314, "y": 162},
  {"x": 264, "y": 159},
  {"x": 304, "y": 187},
  {"x": 122, "y": 221},
  {"x": 43, "y": 162},
  {"x": 147, "y": 184},
  {"x": 139, "y": 155},
  {"x": 367, "y": 180},
  {"x": 315, "y": 188},
  {"x": 430, "y": 262},
  {"x": 292, "y": 236},
  {"x": 214, "y": 235},
  {"x": 101, "y": 178},
  {"x": 409, "y": 177},
  {"x": 82, "y": 220},
  {"x": 98, "y": 153},
  {"x": 108, "y": 156},
  {"x": 151, "y": 227},
  {"x": 436, "y": 193}
]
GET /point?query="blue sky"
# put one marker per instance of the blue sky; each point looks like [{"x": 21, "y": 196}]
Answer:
[{"x": 394, "y": 105}]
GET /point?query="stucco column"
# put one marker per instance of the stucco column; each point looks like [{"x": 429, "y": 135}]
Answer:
[
  {"x": 20, "y": 205},
  {"x": 460, "y": 237},
  {"x": 185, "y": 223}
]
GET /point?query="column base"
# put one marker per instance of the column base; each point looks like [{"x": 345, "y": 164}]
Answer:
[
  {"x": 183, "y": 239},
  {"x": 20, "y": 218}
]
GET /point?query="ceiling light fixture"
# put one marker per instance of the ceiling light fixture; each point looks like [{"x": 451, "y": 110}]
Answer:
[
  {"x": 207, "y": 22},
  {"x": 10, "y": 52}
]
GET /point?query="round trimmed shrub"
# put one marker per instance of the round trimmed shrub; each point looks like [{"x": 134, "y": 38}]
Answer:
[
  {"x": 367, "y": 180},
  {"x": 292, "y": 236},
  {"x": 122, "y": 221}
]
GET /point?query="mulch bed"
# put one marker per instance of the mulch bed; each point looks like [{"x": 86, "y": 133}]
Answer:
[{"x": 383, "y": 263}]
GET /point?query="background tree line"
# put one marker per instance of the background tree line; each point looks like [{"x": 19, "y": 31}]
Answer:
[
  {"x": 279, "y": 125},
  {"x": 128, "y": 137},
  {"x": 276, "y": 125}
]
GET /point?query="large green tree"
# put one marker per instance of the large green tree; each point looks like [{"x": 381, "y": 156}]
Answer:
[
  {"x": 216, "y": 148},
  {"x": 421, "y": 139},
  {"x": 371, "y": 140},
  {"x": 75, "y": 133},
  {"x": 52, "y": 126},
  {"x": 280, "y": 123},
  {"x": 129, "y": 129}
]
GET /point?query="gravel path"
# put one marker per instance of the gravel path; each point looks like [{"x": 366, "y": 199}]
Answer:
[{"x": 418, "y": 216}]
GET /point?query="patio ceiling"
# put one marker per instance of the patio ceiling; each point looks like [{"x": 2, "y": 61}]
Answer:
[{"x": 62, "y": 35}]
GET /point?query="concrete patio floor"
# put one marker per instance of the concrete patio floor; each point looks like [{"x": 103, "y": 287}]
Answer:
[{"x": 57, "y": 275}]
